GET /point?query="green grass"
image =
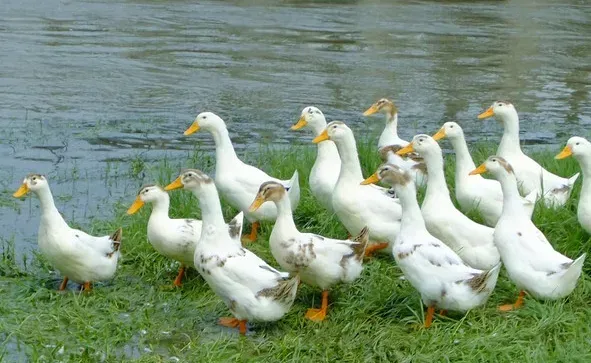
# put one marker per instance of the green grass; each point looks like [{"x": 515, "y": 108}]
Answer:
[{"x": 140, "y": 316}]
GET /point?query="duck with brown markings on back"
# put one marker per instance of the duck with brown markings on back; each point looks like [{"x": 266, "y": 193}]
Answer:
[
  {"x": 320, "y": 261},
  {"x": 435, "y": 270},
  {"x": 530, "y": 260},
  {"x": 251, "y": 289}
]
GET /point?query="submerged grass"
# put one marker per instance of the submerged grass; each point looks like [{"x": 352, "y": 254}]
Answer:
[{"x": 139, "y": 316}]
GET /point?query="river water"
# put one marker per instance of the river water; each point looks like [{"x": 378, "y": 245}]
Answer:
[{"x": 88, "y": 86}]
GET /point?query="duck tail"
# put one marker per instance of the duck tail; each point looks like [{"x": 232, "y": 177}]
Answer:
[
  {"x": 116, "y": 238},
  {"x": 286, "y": 289},
  {"x": 485, "y": 281},
  {"x": 573, "y": 271},
  {"x": 361, "y": 242},
  {"x": 573, "y": 179},
  {"x": 294, "y": 190}
]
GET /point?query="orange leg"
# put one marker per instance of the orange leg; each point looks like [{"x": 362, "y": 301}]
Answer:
[
  {"x": 429, "y": 317},
  {"x": 87, "y": 286},
  {"x": 234, "y": 323},
  {"x": 253, "y": 233},
  {"x": 319, "y": 314},
  {"x": 242, "y": 327},
  {"x": 443, "y": 312},
  {"x": 518, "y": 303},
  {"x": 179, "y": 278},
  {"x": 375, "y": 247},
  {"x": 63, "y": 284}
]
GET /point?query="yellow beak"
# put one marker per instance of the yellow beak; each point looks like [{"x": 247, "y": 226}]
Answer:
[
  {"x": 439, "y": 135},
  {"x": 371, "y": 180},
  {"x": 176, "y": 184},
  {"x": 322, "y": 137},
  {"x": 486, "y": 114},
  {"x": 256, "y": 204},
  {"x": 370, "y": 111},
  {"x": 301, "y": 123},
  {"x": 479, "y": 170},
  {"x": 137, "y": 205},
  {"x": 192, "y": 129},
  {"x": 405, "y": 150},
  {"x": 22, "y": 191},
  {"x": 565, "y": 153}
]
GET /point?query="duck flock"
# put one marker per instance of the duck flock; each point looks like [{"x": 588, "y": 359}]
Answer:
[{"x": 452, "y": 261}]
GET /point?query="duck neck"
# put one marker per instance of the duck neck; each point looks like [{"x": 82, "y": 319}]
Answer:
[
  {"x": 324, "y": 148},
  {"x": 436, "y": 185},
  {"x": 585, "y": 163},
  {"x": 211, "y": 209},
  {"x": 392, "y": 123},
  {"x": 464, "y": 162},
  {"x": 160, "y": 207},
  {"x": 49, "y": 212},
  {"x": 512, "y": 204},
  {"x": 412, "y": 218},
  {"x": 224, "y": 150},
  {"x": 284, "y": 214},
  {"x": 510, "y": 140},
  {"x": 350, "y": 167}
]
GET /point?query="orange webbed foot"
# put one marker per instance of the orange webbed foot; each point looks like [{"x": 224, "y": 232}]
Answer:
[
  {"x": 316, "y": 314},
  {"x": 233, "y": 323},
  {"x": 371, "y": 249}
]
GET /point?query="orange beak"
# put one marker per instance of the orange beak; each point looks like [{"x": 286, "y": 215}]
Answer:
[
  {"x": 322, "y": 137},
  {"x": 22, "y": 191},
  {"x": 405, "y": 150},
  {"x": 370, "y": 111},
  {"x": 137, "y": 205},
  {"x": 565, "y": 153},
  {"x": 439, "y": 135},
  {"x": 301, "y": 123},
  {"x": 192, "y": 129},
  {"x": 479, "y": 170},
  {"x": 176, "y": 184},
  {"x": 256, "y": 204},
  {"x": 486, "y": 114},
  {"x": 371, "y": 180}
]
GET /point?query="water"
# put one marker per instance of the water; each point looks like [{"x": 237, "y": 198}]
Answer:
[{"x": 88, "y": 86}]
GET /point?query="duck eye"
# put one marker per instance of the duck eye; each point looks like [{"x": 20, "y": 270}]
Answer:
[
  {"x": 451, "y": 127},
  {"x": 578, "y": 143}
]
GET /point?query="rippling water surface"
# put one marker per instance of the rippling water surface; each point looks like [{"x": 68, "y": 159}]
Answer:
[{"x": 87, "y": 86}]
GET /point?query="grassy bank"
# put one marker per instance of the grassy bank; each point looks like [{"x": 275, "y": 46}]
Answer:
[{"x": 140, "y": 316}]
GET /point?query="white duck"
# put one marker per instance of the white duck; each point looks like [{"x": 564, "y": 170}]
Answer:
[
  {"x": 237, "y": 181},
  {"x": 580, "y": 148},
  {"x": 359, "y": 206},
  {"x": 436, "y": 271},
  {"x": 390, "y": 134},
  {"x": 474, "y": 191},
  {"x": 531, "y": 261},
  {"x": 173, "y": 238},
  {"x": 250, "y": 288},
  {"x": 472, "y": 241},
  {"x": 326, "y": 168},
  {"x": 389, "y": 142},
  {"x": 530, "y": 175},
  {"x": 320, "y": 261},
  {"x": 77, "y": 255}
]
